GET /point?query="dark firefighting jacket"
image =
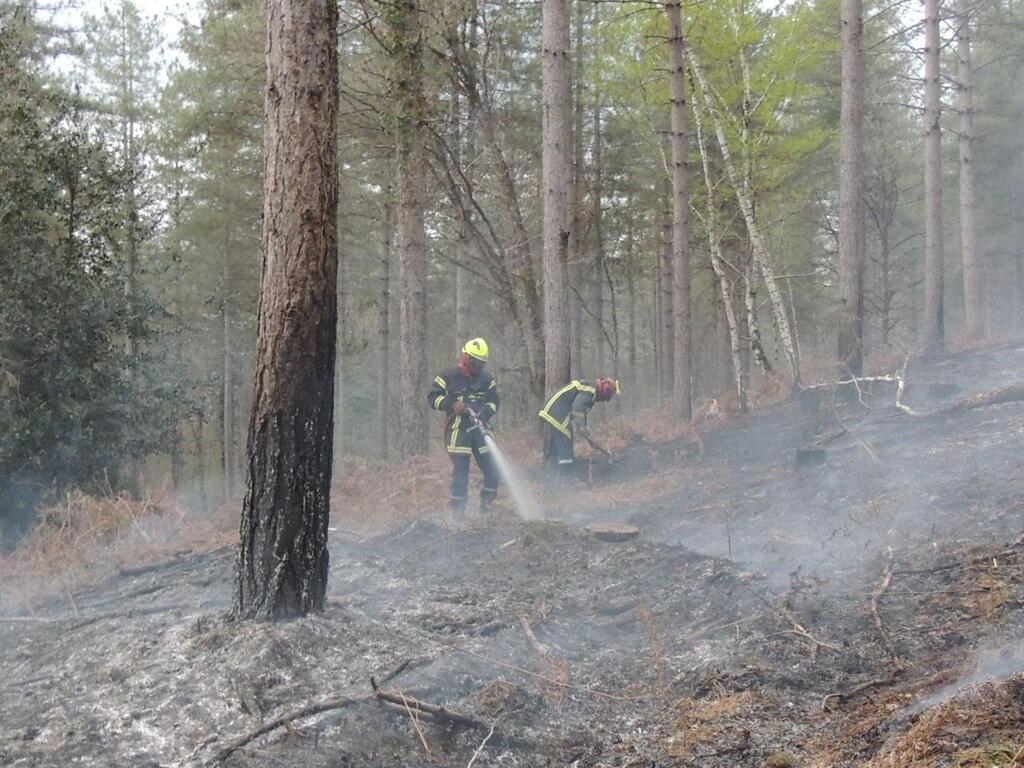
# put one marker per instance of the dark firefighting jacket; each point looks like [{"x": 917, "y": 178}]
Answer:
[
  {"x": 573, "y": 401},
  {"x": 480, "y": 394}
]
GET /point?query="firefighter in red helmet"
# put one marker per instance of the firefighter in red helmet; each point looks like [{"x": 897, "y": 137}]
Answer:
[{"x": 565, "y": 415}]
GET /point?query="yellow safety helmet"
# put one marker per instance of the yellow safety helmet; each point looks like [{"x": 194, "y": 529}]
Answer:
[{"x": 477, "y": 349}]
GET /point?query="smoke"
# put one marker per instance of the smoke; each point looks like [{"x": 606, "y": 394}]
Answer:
[
  {"x": 993, "y": 662},
  {"x": 526, "y": 505}
]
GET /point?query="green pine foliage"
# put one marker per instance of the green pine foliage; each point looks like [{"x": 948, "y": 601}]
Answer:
[{"x": 70, "y": 414}]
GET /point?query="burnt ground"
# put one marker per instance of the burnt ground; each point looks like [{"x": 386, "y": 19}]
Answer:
[{"x": 862, "y": 607}]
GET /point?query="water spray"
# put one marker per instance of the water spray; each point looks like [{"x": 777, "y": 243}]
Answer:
[{"x": 519, "y": 489}]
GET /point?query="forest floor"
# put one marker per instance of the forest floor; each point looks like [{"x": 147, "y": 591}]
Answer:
[{"x": 827, "y": 582}]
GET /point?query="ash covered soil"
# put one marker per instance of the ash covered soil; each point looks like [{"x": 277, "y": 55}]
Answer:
[{"x": 856, "y": 603}]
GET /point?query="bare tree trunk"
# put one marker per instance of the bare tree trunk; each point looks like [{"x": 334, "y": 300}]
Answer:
[
  {"x": 668, "y": 344},
  {"x": 757, "y": 242},
  {"x": 463, "y": 139},
  {"x": 753, "y": 329},
  {"x": 631, "y": 295},
  {"x": 973, "y": 284},
  {"x": 933, "y": 332},
  {"x": 384, "y": 327},
  {"x": 339, "y": 354},
  {"x": 403, "y": 21},
  {"x": 850, "y": 357},
  {"x": 599, "y": 267},
  {"x": 725, "y": 286},
  {"x": 199, "y": 454},
  {"x": 228, "y": 389},
  {"x": 576, "y": 236},
  {"x": 282, "y": 564},
  {"x": 680, "y": 213},
  {"x": 722, "y": 380},
  {"x": 556, "y": 177},
  {"x": 657, "y": 295}
]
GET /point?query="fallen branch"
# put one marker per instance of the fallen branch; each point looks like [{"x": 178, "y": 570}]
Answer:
[
  {"x": 441, "y": 714},
  {"x": 851, "y": 693},
  {"x": 487, "y": 738},
  {"x": 800, "y": 631},
  {"x": 901, "y": 389},
  {"x": 1011, "y": 394},
  {"x": 415, "y": 723},
  {"x": 395, "y": 672},
  {"x": 854, "y": 435},
  {"x": 316, "y": 708},
  {"x": 856, "y": 381},
  {"x": 541, "y": 649},
  {"x": 876, "y": 598}
]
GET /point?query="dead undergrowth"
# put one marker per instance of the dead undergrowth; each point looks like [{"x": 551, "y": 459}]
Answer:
[
  {"x": 84, "y": 539},
  {"x": 981, "y": 728}
]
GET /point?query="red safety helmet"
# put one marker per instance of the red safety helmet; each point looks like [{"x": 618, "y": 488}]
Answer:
[{"x": 607, "y": 388}]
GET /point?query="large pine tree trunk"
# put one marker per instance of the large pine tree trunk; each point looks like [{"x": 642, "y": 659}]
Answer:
[
  {"x": 933, "y": 332},
  {"x": 403, "y": 20},
  {"x": 667, "y": 319},
  {"x": 599, "y": 270},
  {"x": 556, "y": 178},
  {"x": 384, "y": 328},
  {"x": 680, "y": 214},
  {"x": 282, "y": 564},
  {"x": 851, "y": 192},
  {"x": 973, "y": 284},
  {"x": 228, "y": 385},
  {"x": 576, "y": 249}
]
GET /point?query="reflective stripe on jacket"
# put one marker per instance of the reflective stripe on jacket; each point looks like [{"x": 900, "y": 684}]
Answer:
[
  {"x": 480, "y": 394},
  {"x": 574, "y": 400}
]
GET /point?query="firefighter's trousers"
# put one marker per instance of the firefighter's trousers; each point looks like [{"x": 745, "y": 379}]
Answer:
[
  {"x": 558, "y": 450},
  {"x": 460, "y": 479}
]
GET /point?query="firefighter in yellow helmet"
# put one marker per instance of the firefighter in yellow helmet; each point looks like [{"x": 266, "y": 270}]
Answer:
[
  {"x": 566, "y": 417},
  {"x": 468, "y": 396}
]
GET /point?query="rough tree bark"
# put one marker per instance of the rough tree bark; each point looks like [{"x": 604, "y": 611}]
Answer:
[
  {"x": 850, "y": 357},
  {"x": 680, "y": 214},
  {"x": 576, "y": 236},
  {"x": 933, "y": 331},
  {"x": 556, "y": 177},
  {"x": 598, "y": 273},
  {"x": 282, "y": 563},
  {"x": 667, "y": 317},
  {"x": 973, "y": 288},
  {"x": 403, "y": 21},
  {"x": 227, "y": 383},
  {"x": 384, "y": 327}
]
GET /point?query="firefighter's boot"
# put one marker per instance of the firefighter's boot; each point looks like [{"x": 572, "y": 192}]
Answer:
[
  {"x": 487, "y": 497},
  {"x": 457, "y": 504}
]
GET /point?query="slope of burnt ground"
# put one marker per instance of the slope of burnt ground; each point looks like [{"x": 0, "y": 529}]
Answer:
[{"x": 858, "y": 605}]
